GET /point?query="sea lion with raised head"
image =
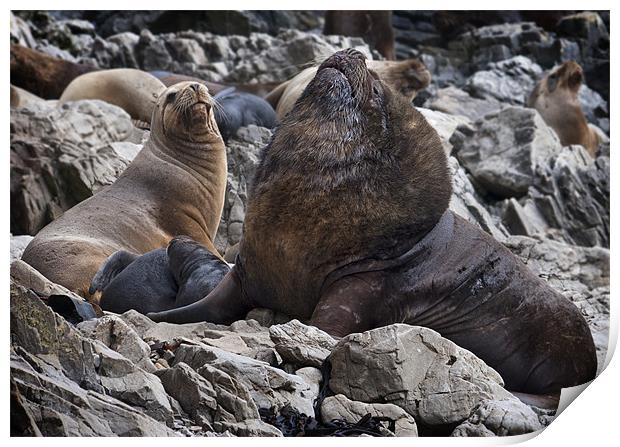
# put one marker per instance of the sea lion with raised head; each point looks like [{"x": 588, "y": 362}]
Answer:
[
  {"x": 556, "y": 99},
  {"x": 407, "y": 77},
  {"x": 174, "y": 186},
  {"x": 375, "y": 27},
  {"x": 135, "y": 91},
  {"x": 43, "y": 75},
  {"x": 348, "y": 227},
  {"x": 161, "y": 279}
]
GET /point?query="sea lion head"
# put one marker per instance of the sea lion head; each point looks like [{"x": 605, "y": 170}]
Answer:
[
  {"x": 184, "y": 111},
  {"x": 567, "y": 77},
  {"x": 407, "y": 77}
]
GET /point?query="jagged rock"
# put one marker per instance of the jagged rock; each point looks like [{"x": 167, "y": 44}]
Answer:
[
  {"x": 301, "y": 344},
  {"x": 20, "y": 32},
  {"x": 339, "y": 407},
  {"x": 313, "y": 377},
  {"x": 454, "y": 101},
  {"x": 466, "y": 203},
  {"x": 594, "y": 107},
  {"x": 508, "y": 151},
  {"x": 584, "y": 25},
  {"x": 509, "y": 81},
  {"x": 269, "y": 386},
  {"x": 61, "y": 156},
  {"x": 18, "y": 245},
  {"x": 118, "y": 336},
  {"x": 500, "y": 418},
  {"x": 251, "y": 427},
  {"x": 431, "y": 378},
  {"x": 242, "y": 152},
  {"x": 444, "y": 124}
]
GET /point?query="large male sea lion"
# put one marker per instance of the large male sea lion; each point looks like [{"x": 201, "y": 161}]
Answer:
[
  {"x": 174, "y": 186},
  {"x": 43, "y": 75},
  {"x": 556, "y": 99},
  {"x": 375, "y": 27},
  {"x": 347, "y": 226},
  {"x": 135, "y": 91},
  {"x": 407, "y": 77}
]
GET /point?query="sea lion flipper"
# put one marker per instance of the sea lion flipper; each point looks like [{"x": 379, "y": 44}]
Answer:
[
  {"x": 349, "y": 304},
  {"x": 116, "y": 263},
  {"x": 224, "y": 305}
]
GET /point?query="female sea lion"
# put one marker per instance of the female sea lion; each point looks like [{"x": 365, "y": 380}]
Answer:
[
  {"x": 135, "y": 91},
  {"x": 161, "y": 279},
  {"x": 375, "y": 27},
  {"x": 43, "y": 75},
  {"x": 238, "y": 109},
  {"x": 174, "y": 186},
  {"x": 348, "y": 226},
  {"x": 556, "y": 99},
  {"x": 23, "y": 98},
  {"x": 407, "y": 77}
]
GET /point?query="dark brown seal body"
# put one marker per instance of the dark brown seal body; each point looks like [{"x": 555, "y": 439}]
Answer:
[
  {"x": 556, "y": 99},
  {"x": 347, "y": 227},
  {"x": 43, "y": 75},
  {"x": 375, "y": 27},
  {"x": 174, "y": 186}
]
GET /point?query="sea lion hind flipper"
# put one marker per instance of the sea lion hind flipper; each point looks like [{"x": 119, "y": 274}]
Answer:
[
  {"x": 224, "y": 305},
  {"x": 348, "y": 305},
  {"x": 116, "y": 263}
]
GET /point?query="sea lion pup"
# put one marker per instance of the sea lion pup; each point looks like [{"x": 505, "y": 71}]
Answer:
[
  {"x": 375, "y": 27},
  {"x": 238, "y": 109},
  {"x": 159, "y": 280},
  {"x": 348, "y": 226},
  {"x": 175, "y": 185},
  {"x": 556, "y": 99},
  {"x": 41, "y": 74},
  {"x": 407, "y": 77},
  {"x": 135, "y": 91}
]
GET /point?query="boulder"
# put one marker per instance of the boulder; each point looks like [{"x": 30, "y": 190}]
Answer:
[
  {"x": 445, "y": 125},
  {"x": 301, "y": 344},
  {"x": 431, "y": 378},
  {"x": 500, "y": 418},
  {"x": 454, "y": 101}
]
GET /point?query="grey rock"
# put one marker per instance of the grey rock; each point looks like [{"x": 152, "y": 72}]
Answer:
[
  {"x": 500, "y": 418},
  {"x": 61, "y": 156},
  {"x": 340, "y": 407},
  {"x": 509, "y": 81},
  {"x": 18, "y": 245},
  {"x": 430, "y": 377},
  {"x": 251, "y": 427},
  {"x": 301, "y": 344},
  {"x": 454, "y": 101},
  {"x": 508, "y": 151},
  {"x": 313, "y": 377},
  {"x": 584, "y": 25},
  {"x": 269, "y": 386},
  {"x": 445, "y": 125}
]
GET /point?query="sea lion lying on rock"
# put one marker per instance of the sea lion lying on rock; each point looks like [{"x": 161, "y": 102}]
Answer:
[
  {"x": 238, "y": 109},
  {"x": 556, "y": 99},
  {"x": 407, "y": 77},
  {"x": 135, "y": 91},
  {"x": 348, "y": 226},
  {"x": 159, "y": 280},
  {"x": 174, "y": 186}
]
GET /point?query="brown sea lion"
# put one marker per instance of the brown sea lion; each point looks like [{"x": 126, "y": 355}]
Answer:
[
  {"x": 348, "y": 226},
  {"x": 407, "y": 77},
  {"x": 375, "y": 27},
  {"x": 556, "y": 99},
  {"x": 174, "y": 186},
  {"x": 135, "y": 91},
  {"x": 41, "y": 74}
]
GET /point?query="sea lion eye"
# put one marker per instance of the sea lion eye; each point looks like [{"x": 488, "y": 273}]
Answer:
[
  {"x": 375, "y": 89},
  {"x": 171, "y": 96}
]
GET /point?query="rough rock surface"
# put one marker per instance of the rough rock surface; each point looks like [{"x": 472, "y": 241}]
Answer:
[
  {"x": 61, "y": 156},
  {"x": 301, "y": 344},
  {"x": 18, "y": 245},
  {"x": 500, "y": 418}
]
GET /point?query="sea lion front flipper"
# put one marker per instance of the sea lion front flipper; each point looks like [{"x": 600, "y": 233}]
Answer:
[
  {"x": 349, "y": 304},
  {"x": 115, "y": 264},
  {"x": 224, "y": 305}
]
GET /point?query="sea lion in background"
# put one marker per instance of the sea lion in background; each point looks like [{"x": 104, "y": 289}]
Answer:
[
  {"x": 407, "y": 77},
  {"x": 348, "y": 226},
  {"x": 238, "y": 109},
  {"x": 375, "y": 27},
  {"x": 41, "y": 74},
  {"x": 161, "y": 279},
  {"x": 23, "y": 98},
  {"x": 175, "y": 185},
  {"x": 169, "y": 79},
  {"x": 556, "y": 99},
  {"x": 135, "y": 91}
]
